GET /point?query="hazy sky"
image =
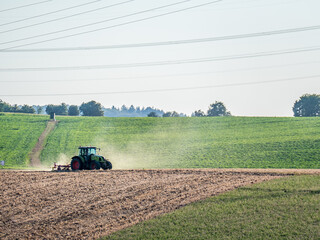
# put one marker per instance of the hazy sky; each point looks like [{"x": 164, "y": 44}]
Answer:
[{"x": 253, "y": 76}]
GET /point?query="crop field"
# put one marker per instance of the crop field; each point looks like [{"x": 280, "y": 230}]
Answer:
[
  {"x": 91, "y": 204},
  {"x": 18, "y": 135},
  {"x": 116, "y": 204},
  {"x": 132, "y": 143},
  {"x": 229, "y": 142},
  {"x": 285, "y": 208}
]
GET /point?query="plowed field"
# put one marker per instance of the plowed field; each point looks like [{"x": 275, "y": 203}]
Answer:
[{"x": 90, "y": 204}]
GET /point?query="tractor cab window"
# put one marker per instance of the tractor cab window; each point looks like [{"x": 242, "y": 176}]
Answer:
[
  {"x": 83, "y": 151},
  {"x": 91, "y": 151}
]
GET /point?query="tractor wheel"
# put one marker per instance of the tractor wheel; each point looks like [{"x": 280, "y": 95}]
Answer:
[
  {"x": 94, "y": 165},
  {"x": 76, "y": 164},
  {"x": 109, "y": 165}
]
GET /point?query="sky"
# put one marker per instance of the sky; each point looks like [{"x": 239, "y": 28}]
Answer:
[{"x": 256, "y": 56}]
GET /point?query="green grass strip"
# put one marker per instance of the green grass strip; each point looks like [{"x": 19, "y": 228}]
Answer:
[{"x": 287, "y": 208}]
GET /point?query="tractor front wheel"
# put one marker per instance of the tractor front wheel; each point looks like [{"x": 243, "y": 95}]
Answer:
[
  {"x": 76, "y": 164},
  {"x": 94, "y": 165},
  {"x": 109, "y": 165}
]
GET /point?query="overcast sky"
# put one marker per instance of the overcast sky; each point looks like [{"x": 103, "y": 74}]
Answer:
[{"x": 253, "y": 76}]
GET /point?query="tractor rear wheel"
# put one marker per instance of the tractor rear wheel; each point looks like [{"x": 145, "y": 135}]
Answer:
[
  {"x": 76, "y": 164},
  {"x": 94, "y": 165}
]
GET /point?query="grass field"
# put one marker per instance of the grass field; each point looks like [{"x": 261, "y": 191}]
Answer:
[
  {"x": 286, "y": 208},
  {"x": 227, "y": 142},
  {"x": 18, "y": 135}
]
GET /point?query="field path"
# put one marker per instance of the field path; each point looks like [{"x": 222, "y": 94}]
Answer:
[
  {"x": 91, "y": 204},
  {"x": 36, "y": 151}
]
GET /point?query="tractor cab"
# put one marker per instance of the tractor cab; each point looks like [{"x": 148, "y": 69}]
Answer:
[{"x": 86, "y": 151}]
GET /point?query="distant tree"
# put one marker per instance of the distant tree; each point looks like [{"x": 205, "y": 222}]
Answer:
[
  {"x": 124, "y": 108},
  {"x": 217, "y": 109},
  {"x": 73, "y": 110},
  {"x": 39, "y": 109},
  {"x": 171, "y": 114},
  {"x": 15, "y": 108},
  {"x": 27, "y": 109},
  {"x": 307, "y": 106},
  {"x": 198, "y": 113},
  {"x": 4, "y": 107},
  {"x": 91, "y": 108},
  {"x": 61, "y": 109},
  {"x": 131, "y": 109},
  {"x": 152, "y": 114},
  {"x": 167, "y": 114}
]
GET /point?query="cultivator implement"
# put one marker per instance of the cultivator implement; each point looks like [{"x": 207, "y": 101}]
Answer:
[{"x": 61, "y": 168}]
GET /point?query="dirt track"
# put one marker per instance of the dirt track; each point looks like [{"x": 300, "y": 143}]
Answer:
[{"x": 90, "y": 204}]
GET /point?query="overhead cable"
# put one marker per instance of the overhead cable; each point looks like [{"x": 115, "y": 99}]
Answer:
[
  {"x": 94, "y": 23},
  {"x": 69, "y": 16},
  {"x": 22, "y": 6},
  {"x": 160, "y": 63},
  {"x": 173, "y": 42},
  {"x": 163, "y": 89},
  {"x": 109, "y": 27},
  {"x": 110, "y": 78},
  {"x": 49, "y": 13}
]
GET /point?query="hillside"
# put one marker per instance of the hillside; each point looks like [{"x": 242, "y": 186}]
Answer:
[
  {"x": 19, "y": 134},
  {"x": 191, "y": 142},
  {"x": 229, "y": 142}
]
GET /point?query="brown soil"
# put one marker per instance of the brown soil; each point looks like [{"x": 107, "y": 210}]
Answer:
[
  {"x": 91, "y": 204},
  {"x": 36, "y": 151}
]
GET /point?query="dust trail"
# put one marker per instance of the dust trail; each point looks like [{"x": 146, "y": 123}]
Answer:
[{"x": 161, "y": 145}]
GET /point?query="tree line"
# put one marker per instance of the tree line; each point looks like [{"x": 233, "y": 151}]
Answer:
[
  {"x": 6, "y": 107},
  {"x": 131, "y": 111},
  {"x": 216, "y": 109},
  {"x": 308, "y": 105}
]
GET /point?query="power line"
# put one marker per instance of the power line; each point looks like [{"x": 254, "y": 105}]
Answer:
[
  {"x": 46, "y": 14},
  {"x": 188, "y": 41},
  {"x": 94, "y": 23},
  {"x": 69, "y": 16},
  {"x": 165, "y": 89},
  {"x": 113, "y": 26},
  {"x": 28, "y": 5},
  {"x": 157, "y": 76},
  {"x": 160, "y": 63}
]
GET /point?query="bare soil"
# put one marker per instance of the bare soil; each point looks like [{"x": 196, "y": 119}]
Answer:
[
  {"x": 36, "y": 151},
  {"x": 91, "y": 204}
]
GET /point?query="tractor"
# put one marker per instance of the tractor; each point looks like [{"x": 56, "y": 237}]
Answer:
[{"x": 88, "y": 159}]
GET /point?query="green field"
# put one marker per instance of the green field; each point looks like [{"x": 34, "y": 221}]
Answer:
[
  {"x": 19, "y": 133},
  {"x": 221, "y": 142},
  {"x": 227, "y": 142},
  {"x": 286, "y": 208}
]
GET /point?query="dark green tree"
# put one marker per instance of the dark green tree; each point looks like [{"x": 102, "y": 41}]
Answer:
[
  {"x": 61, "y": 109},
  {"x": 171, "y": 114},
  {"x": 73, "y": 110},
  {"x": 198, "y": 113},
  {"x": 27, "y": 109},
  {"x": 307, "y": 106},
  {"x": 218, "y": 109},
  {"x": 4, "y": 107},
  {"x": 39, "y": 109},
  {"x": 91, "y": 108},
  {"x": 152, "y": 114}
]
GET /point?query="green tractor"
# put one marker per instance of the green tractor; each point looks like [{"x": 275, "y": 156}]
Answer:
[{"x": 88, "y": 159}]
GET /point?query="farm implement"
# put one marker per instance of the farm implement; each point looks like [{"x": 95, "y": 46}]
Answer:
[
  {"x": 86, "y": 160},
  {"x": 61, "y": 168}
]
